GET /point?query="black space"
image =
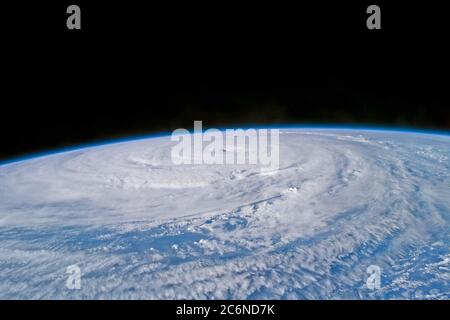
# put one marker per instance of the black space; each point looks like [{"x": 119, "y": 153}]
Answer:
[{"x": 138, "y": 68}]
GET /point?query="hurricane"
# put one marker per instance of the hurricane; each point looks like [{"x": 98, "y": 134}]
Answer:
[{"x": 140, "y": 227}]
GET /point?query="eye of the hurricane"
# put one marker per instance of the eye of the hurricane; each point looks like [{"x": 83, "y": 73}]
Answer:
[{"x": 341, "y": 207}]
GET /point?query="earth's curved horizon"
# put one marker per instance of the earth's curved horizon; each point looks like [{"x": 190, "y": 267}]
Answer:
[
  {"x": 139, "y": 137},
  {"x": 139, "y": 227}
]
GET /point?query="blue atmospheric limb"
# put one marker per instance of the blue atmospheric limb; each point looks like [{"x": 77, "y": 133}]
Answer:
[{"x": 281, "y": 126}]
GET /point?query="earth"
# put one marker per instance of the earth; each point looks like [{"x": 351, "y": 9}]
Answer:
[{"x": 136, "y": 226}]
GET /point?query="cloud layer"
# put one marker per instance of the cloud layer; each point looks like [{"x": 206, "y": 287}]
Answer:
[{"x": 140, "y": 227}]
